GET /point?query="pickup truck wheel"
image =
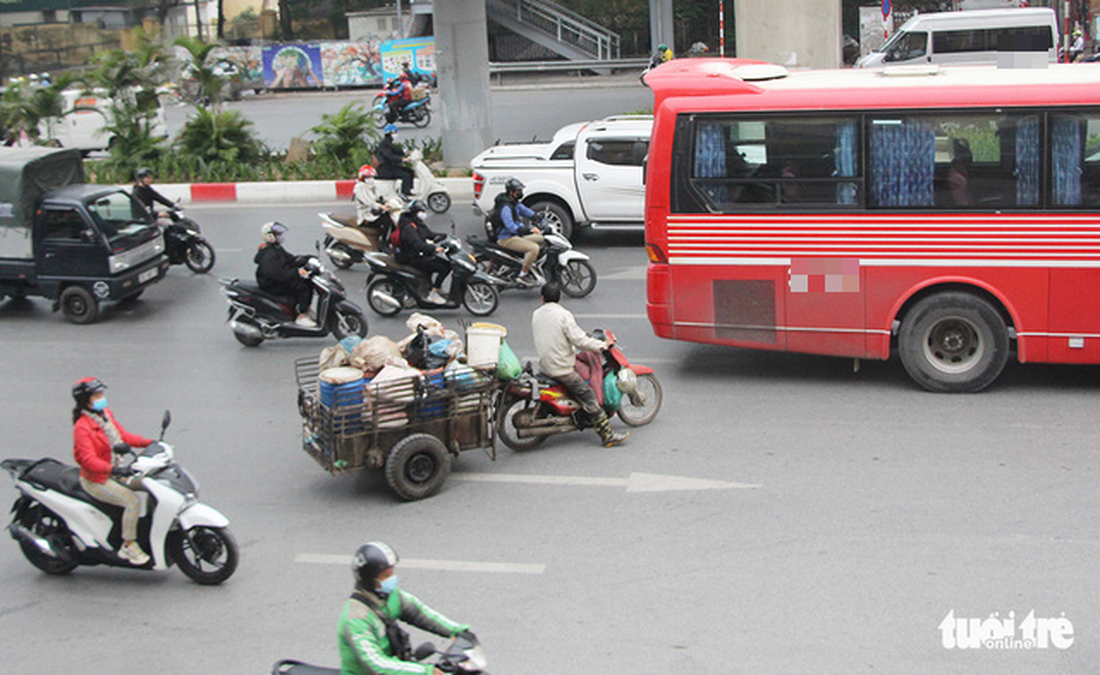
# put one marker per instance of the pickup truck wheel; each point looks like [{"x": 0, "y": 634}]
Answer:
[
  {"x": 554, "y": 216},
  {"x": 78, "y": 305}
]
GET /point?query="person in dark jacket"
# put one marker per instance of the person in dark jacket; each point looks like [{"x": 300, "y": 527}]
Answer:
[
  {"x": 391, "y": 160},
  {"x": 419, "y": 248},
  {"x": 512, "y": 233},
  {"x": 278, "y": 272},
  {"x": 149, "y": 197}
]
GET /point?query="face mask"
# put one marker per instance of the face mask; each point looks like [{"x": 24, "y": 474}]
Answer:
[
  {"x": 422, "y": 215},
  {"x": 388, "y": 586},
  {"x": 279, "y": 239},
  {"x": 100, "y": 405}
]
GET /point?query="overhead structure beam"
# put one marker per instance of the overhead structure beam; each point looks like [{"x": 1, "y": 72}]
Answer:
[{"x": 462, "y": 66}]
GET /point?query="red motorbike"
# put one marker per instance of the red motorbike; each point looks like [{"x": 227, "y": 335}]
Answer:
[{"x": 535, "y": 406}]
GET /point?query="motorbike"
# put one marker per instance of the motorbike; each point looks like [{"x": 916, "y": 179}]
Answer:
[
  {"x": 426, "y": 187},
  {"x": 185, "y": 245},
  {"x": 60, "y": 527},
  {"x": 417, "y": 112},
  {"x": 346, "y": 243},
  {"x": 557, "y": 262},
  {"x": 393, "y": 286},
  {"x": 255, "y": 315},
  {"x": 461, "y": 655},
  {"x": 534, "y": 406}
]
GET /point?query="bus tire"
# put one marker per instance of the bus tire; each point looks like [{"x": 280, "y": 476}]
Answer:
[{"x": 953, "y": 342}]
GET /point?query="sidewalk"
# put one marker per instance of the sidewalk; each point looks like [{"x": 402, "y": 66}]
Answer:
[{"x": 460, "y": 189}]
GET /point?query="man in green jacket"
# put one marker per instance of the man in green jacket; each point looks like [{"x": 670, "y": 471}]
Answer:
[{"x": 371, "y": 642}]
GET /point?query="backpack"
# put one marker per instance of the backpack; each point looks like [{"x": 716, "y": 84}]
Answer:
[{"x": 395, "y": 241}]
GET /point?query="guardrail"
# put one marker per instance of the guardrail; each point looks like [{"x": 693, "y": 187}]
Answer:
[{"x": 501, "y": 68}]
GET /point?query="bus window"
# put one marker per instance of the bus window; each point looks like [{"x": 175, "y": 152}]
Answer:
[
  {"x": 778, "y": 162},
  {"x": 1075, "y": 159},
  {"x": 954, "y": 161}
]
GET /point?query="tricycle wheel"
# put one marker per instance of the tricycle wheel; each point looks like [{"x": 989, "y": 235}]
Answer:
[
  {"x": 417, "y": 466},
  {"x": 78, "y": 305}
]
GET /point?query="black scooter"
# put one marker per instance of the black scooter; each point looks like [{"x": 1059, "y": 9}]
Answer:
[
  {"x": 184, "y": 244},
  {"x": 392, "y": 286},
  {"x": 256, "y": 316},
  {"x": 463, "y": 655}
]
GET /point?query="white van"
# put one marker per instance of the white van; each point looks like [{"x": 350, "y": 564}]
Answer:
[
  {"x": 971, "y": 37},
  {"x": 83, "y": 126}
]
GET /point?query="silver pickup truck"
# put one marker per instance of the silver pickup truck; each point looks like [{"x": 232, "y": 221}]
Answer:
[{"x": 590, "y": 173}]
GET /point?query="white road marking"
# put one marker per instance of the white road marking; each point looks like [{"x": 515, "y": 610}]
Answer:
[
  {"x": 637, "y": 482},
  {"x": 628, "y": 274},
  {"x": 427, "y": 564},
  {"x": 610, "y": 316}
]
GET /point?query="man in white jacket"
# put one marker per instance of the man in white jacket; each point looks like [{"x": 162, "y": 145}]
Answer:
[{"x": 557, "y": 336}]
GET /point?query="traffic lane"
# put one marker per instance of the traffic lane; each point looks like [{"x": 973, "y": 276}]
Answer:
[
  {"x": 518, "y": 115},
  {"x": 831, "y": 533}
]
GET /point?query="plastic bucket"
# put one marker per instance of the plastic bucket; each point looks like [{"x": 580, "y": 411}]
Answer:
[
  {"x": 343, "y": 387},
  {"x": 483, "y": 344}
]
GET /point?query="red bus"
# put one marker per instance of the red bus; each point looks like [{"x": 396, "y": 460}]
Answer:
[{"x": 947, "y": 213}]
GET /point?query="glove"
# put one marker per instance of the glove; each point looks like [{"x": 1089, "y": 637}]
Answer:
[
  {"x": 121, "y": 471},
  {"x": 121, "y": 448}
]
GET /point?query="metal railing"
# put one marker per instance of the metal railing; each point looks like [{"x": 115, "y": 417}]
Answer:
[
  {"x": 567, "y": 27},
  {"x": 499, "y": 69}
]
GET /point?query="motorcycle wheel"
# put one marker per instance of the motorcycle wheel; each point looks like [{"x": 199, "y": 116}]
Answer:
[
  {"x": 248, "y": 340},
  {"x": 637, "y": 416},
  {"x": 200, "y": 256},
  {"x": 578, "y": 279},
  {"x": 439, "y": 202},
  {"x": 336, "y": 262},
  {"x": 386, "y": 287},
  {"x": 207, "y": 555},
  {"x": 480, "y": 298},
  {"x": 422, "y": 117},
  {"x": 349, "y": 323},
  {"x": 417, "y": 466},
  {"x": 42, "y": 522},
  {"x": 506, "y": 426}
]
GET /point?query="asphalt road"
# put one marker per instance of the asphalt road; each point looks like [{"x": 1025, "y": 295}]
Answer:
[
  {"x": 878, "y": 508},
  {"x": 519, "y": 113}
]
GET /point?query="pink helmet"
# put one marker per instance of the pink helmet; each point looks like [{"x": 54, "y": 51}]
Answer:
[{"x": 367, "y": 171}]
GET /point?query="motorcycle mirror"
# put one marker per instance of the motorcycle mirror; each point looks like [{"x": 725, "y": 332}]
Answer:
[
  {"x": 164, "y": 422},
  {"x": 423, "y": 651}
]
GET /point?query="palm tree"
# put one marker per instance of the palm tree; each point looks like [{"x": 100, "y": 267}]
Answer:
[{"x": 210, "y": 87}]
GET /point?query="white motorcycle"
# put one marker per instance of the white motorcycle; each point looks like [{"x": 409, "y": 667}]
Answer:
[
  {"x": 426, "y": 187},
  {"x": 59, "y": 526}
]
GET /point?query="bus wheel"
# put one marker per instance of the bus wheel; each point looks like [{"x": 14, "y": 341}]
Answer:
[{"x": 953, "y": 342}]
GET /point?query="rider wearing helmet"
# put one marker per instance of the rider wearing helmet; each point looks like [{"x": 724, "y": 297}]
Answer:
[
  {"x": 398, "y": 95},
  {"x": 511, "y": 232},
  {"x": 420, "y": 249},
  {"x": 144, "y": 193},
  {"x": 662, "y": 55},
  {"x": 391, "y": 160},
  {"x": 370, "y": 640},
  {"x": 368, "y": 203},
  {"x": 280, "y": 272},
  {"x": 97, "y": 438}
]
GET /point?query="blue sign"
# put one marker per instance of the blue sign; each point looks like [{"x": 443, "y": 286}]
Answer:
[{"x": 885, "y": 8}]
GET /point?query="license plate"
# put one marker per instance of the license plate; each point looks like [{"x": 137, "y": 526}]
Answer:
[{"x": 147, "y": 275}]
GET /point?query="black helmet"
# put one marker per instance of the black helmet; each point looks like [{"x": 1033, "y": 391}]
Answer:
[
  {"x": 143, "y": 172},
  {"x": 370, "y": 560},
  {"x": 84, "y": 388},
  {"x": 417, "y": 206},
  {"x": 513, "y": 185}
]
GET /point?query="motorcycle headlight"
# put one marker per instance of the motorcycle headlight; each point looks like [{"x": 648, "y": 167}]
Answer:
[{"x": 475, "y": 660}]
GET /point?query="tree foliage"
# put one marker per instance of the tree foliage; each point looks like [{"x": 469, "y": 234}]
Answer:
[{"x": 347, "y": 135}]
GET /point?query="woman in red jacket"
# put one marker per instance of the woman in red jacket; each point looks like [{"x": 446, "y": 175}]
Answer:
[{"x": 97, "y": 437}]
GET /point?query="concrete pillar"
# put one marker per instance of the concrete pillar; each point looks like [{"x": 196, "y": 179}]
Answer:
[
  {"x": 792, "y": 33},
  {"x": 462, "y": 66},
  {"x": 661, "y": 29}
]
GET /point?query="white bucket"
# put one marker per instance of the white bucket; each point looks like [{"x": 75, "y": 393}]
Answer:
[{"x": 483, "y": 344}]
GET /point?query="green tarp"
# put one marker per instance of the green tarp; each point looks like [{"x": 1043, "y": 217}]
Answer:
[{"x": 25, "y": 175}]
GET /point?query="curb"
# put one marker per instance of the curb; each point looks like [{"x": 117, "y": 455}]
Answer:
[{"x": 460, "y": 189}]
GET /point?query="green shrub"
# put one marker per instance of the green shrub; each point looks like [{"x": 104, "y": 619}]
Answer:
[{"x": 220, "y": 136}]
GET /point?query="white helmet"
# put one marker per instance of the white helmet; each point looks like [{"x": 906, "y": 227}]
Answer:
[{"x": 273, "y": 231}]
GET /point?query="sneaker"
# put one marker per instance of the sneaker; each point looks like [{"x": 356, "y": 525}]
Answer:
[
  {"x": 526, "y": 279},
  {"x": 305, "y": 322},
  {"x": 615, "y": 438},
  {"x": 436, "y": 299},
  {"x": 132, "y": 552}
]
